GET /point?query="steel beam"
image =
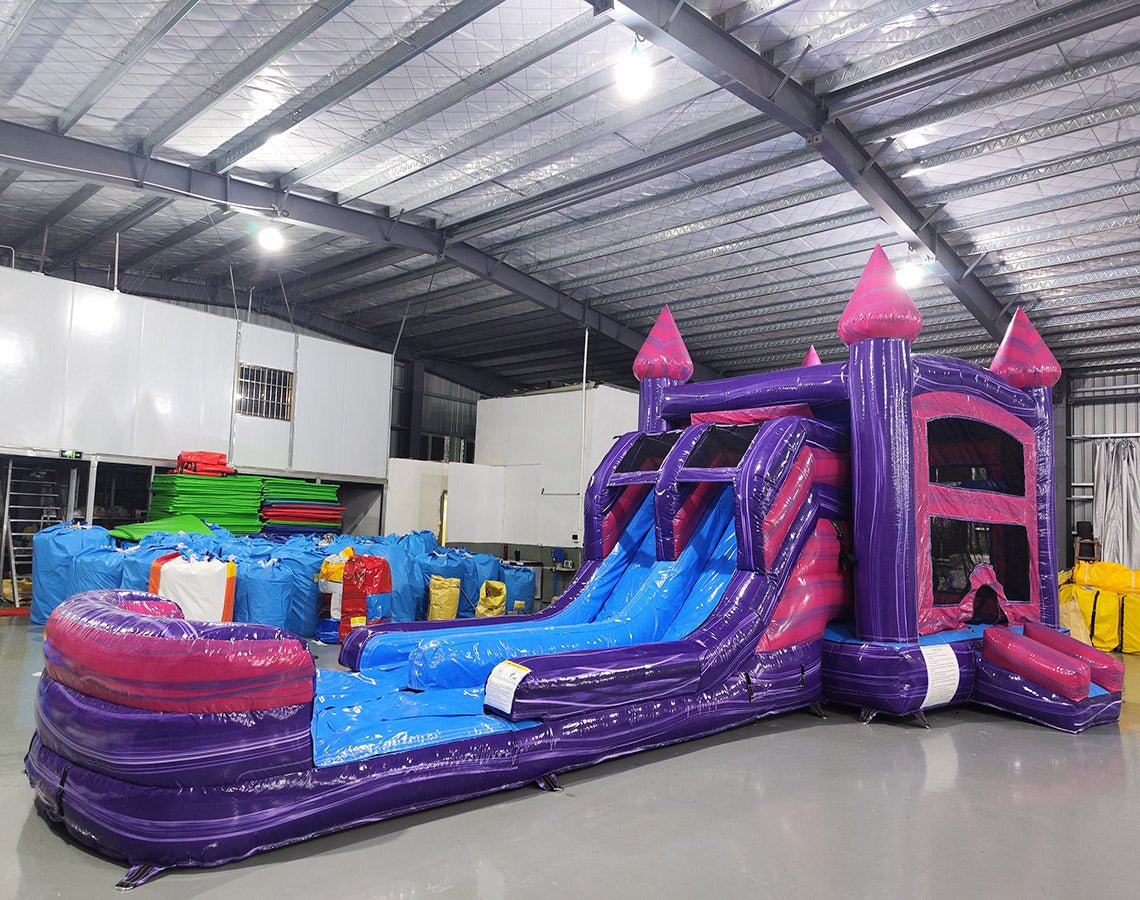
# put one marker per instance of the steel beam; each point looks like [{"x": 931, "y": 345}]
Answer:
[
  {"x": 42, "y": 150},
  {"x": 1001, "y": 34},
  {"x": 122, "y": 224},
  {"x": 8, "y": 178},
  {"x": 748, "y": 75},
  {"x": 141, "y": 44},
  {"x": 433, "y": 27},
  {"x": 182, "y": 234},
  {"x": 514, "y": 62},
  {"x": 24, "y": 12},
  {"x": 61, "y": 211},
  {"x": 312, "y": 18}
]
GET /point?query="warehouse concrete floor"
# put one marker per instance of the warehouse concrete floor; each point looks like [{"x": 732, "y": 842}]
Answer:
[{"x": 979, "y": 805}]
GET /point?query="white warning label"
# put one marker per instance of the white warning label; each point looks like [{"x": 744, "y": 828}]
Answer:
[
  {"x": 501, "y": 685},
  {"x": 941, "y": 674}
]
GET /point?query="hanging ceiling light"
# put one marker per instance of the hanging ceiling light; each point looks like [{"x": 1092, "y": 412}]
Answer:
[
  {"x": 270, "y": 238},
  {"x": 911, "y": 275},
  {"x": 634, "y": 72}
]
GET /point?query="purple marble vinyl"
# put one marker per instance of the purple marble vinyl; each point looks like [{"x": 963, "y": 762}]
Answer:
[
  {"x": 650, "y": 399},
  {"x": 814, "y": 384},
  {"x": 211, "y": 825},
  {"x": 1001, "y": 689},
  {"x": 175, "y": 749},
  {"x": 1046, "y": 507},
  {"x": 882, "y": 470},
  {"x": 667, "y": 495},
  {"x": 943, "y": 373},
  {"x": 888, "y": 678}
]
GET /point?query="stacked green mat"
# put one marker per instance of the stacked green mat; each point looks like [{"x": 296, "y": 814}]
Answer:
[{"x": 232, "y": 501}]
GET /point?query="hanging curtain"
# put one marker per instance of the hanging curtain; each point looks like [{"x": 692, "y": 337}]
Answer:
[{"x": 1116, "y": 500}]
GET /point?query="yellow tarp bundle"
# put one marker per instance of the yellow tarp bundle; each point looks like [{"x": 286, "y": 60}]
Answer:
[
  {"x": 492, "y": 599},
  {"x": 1100, "y": 610},
  {"x": 443, "y": 598},
  {"x": 1108, "y": 576},
  {"x": 1071, "y": 617}
]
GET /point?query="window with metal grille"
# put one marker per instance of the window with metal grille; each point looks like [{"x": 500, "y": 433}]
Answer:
[{"x": 263, "y": 392}]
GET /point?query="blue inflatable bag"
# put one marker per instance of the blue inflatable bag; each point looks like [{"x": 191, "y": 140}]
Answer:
[
  {"x": 96, "y": 568},
  {"x": 520, "y": 588},
  {"x": 264, "y": 592},
  {"x": 52, "y": 552}
]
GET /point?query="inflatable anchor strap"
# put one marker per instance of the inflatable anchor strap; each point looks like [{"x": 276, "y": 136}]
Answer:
[{"x": 138, "y": 875}]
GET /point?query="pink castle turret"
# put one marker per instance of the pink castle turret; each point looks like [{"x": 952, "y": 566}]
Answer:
[
  {"x": 664, "y": 354},
  {"x": 879, "y": 307},
  {"x": 811, "y": 358},
  {"x": 1023, "y": 359},
  {"x": 662, "y": 361}
]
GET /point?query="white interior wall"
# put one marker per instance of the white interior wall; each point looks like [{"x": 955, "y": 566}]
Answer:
[
  {"x": 414, "y": 489},
  {"x": 475, "y": 508},
  {"x": 83, "y": 368},
  {"x": 537, "y": 438}
]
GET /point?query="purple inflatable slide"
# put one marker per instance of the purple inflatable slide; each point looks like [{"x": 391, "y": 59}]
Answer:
[{"x": 876, "y": 532}]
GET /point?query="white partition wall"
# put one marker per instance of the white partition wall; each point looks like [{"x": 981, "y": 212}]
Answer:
[
  {"x": 413, "y": 498},
  {"x": 83, "y": 368},
  {"x": 342, "y": 410},
  {"x": 475, "y": 508},
  {"x": 263, "y": 443},
  {"x": 537, "y": 441}
]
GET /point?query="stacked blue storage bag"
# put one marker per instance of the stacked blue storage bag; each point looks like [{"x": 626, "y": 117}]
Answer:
[{"x": 52, "y": 551}]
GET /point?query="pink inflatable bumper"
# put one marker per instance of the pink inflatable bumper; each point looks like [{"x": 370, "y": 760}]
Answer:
[{"x": 137, "y": 650}]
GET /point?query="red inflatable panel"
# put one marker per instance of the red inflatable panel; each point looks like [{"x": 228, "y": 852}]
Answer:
[
  {"x": 1107, "y": 671},
  {"x": 1052, "y": 669}
]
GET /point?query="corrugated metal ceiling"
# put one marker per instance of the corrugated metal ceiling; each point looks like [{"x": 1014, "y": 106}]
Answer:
[{"x": 498, "y": 121}]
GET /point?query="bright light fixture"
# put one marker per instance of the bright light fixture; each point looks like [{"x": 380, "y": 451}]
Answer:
[
  {"x": 910, "y": 275},
  {"x": 270, "y": 239},
  {"x": 634, "y": 73}
]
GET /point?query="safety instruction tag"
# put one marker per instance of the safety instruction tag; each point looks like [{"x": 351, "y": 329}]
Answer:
[
  {"x": 941, "y": 674},
  {"x": 501, "y": 685}
]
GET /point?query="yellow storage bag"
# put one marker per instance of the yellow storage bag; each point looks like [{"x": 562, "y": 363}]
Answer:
[
  {"x": 492, "y": 600},
  {"x": 443, "y": 598},
  {"x": 1101, "y": 612},
  {"x": 1130, "y": 623}
]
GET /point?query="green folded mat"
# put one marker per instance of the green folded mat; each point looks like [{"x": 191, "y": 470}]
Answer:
[
  {"x": 232, "y": 501},
  {"x": 174, "y": 524}
]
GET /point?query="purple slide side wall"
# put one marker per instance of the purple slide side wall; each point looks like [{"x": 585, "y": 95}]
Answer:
[
  {"x": 882, "y": 486},
  {"x": 575, "y": 683},
  {"x": 167, "y": 826},
  {"x": 600, "y": 499},
  {"x": 1046, "y": 507},
  {"x": 813, "y": 384},
  {"x": 175, "y": 749}
]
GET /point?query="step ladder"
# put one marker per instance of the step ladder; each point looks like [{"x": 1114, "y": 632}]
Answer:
[{"x": 32, "y": 501}]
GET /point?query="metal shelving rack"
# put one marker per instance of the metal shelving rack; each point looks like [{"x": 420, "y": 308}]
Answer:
[{"x": 32, "y": 496}]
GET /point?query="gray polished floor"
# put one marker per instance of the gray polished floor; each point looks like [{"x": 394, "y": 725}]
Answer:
[{"x": 978, "y": 806}]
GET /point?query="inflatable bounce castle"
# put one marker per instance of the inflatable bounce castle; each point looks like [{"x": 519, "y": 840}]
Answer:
[{"x": 877, "y": 532}]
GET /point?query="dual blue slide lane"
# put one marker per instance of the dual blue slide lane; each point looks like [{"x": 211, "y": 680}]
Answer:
[{"x": 724, "y": 642}]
